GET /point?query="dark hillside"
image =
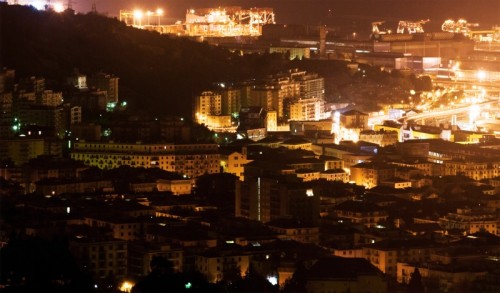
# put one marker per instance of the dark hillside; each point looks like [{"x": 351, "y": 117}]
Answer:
[{"x": 158, "y": 74}]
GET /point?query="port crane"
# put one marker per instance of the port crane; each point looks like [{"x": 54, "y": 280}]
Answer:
[
  {"x": 411, "y": 27},
  {"x": 459, "y": 26}
]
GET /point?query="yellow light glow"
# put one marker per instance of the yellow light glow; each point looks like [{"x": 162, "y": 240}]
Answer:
[
  {"x": 159, "y": 11},
  {"x": 481, "y": 75},
  {"x": 126, "y": 286},
  {"x": 138, "y": 14},
  {"x": 58, "y": 7}
]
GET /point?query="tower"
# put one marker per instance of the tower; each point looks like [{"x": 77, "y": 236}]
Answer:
[
  {"x": 322, "y": 40},
  {"x": 94, "y": 7}
]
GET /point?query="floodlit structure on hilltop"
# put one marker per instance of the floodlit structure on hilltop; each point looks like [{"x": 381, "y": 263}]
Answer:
[
  {"x": 227, "y": 21},
  {"x": 230, "y": 21}
]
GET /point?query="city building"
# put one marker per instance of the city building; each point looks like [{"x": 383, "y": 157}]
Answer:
[
  {"x": 381, "y": 137},
  {"x": 289, "y": 229},
  {"x": 386, "y": 254},
  {"x": 335, "y": 175},
  {"x": 357, "y": 212},
  {"x": 107, "y": 83},
  {"x": 191, "y": 160},
  {"x": 293, "y": 52},
  {"x": 141, "y": 253},
  {"x": 307, "y": 109},
  {"x": 233, "y": 161},
  {"x": 337, "y": 274},
  {"x": 268, "y": 198},
  {"x": 218, "y": 263},
  {"x": 471, "y": 221},
  {"x": 371, "y": 174},
  {"x": 100, "y": 256},
  {"x": 207, "y": 104},
  {"x": 348, "y": 125}
]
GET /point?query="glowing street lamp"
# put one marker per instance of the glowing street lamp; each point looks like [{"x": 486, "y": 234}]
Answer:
[
  {"x": 58, "y": 7},
  {"x": 481, "y": 75},
  {"x": 138, "y": 17},
  {"x": 159, "y": 12},
  {"x": 149, "y": 13}
]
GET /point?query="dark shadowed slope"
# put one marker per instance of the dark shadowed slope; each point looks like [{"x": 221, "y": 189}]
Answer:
[{"x": 158, "y": 74}]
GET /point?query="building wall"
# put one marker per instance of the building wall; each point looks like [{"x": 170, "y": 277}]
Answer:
[
  {"x": 193, "y": 160},
  {"x": 21, "y": 150},
  {"x": 358, "y": 285},
  {"x": 214, "y": 267},
  {"x": 101, "y": 258},
  {"x": 207, "y": 104}
]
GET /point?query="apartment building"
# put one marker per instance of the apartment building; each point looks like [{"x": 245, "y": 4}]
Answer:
[{"x": 191, "y": 160}]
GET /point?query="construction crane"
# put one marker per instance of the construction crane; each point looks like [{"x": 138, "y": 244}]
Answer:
[
  {"x": 411, "y": 27},
  {"x": 375, "y": 29},
  {"x": 459, "y": 26}
]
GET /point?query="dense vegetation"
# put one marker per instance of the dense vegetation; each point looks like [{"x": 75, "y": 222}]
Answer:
[{"x": 158, "y": 74}]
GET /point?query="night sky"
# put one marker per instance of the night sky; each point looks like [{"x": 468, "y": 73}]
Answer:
[{"x": 356, "y": 13}]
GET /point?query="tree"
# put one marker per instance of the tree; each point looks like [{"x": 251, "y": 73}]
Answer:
[
  {"x": 415, "y": 285},
  {"x": 253, "y": 282},
  {"x": 298, "y": 281}
]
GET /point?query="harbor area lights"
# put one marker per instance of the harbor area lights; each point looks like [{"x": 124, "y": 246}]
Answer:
[{"x": 142, "y": 18}]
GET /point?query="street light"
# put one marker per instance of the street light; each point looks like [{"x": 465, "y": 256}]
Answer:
[
  {"x": 137, "y": 17},
  {"x": 159, "y": 12}
]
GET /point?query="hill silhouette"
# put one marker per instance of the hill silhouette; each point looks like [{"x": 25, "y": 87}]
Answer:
[{"x": 158, "y": 74}]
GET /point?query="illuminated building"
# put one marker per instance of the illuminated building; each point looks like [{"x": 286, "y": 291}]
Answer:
[
  {"x": 263, "y": 95},
  {"x": 297, "y": 52},
  {"x": 233, "y": 162},
  {"x": 206, "y": 22},
  {"x": 253, "y": 122},
  {"x": 382, "y": 138},
  {"x": 307, "y": 175},
  {"x": 335, "y": 175},
  {"x": 349, "y": 154},
  {"x": 192, "y": 160},
  {"x": 297, "y": 143},
  {"x": 471, "y": 221},
  {"x": 177, "y": 187},
  {"x": 474, "y": 169},
  {"x": 220, "y": 122},
  {"x": 279, "y": 91},
  {"x": 227, "y": 21},
  {"x": 207, "y": 104},
  {"x": 40, "y": 4},
  {"x": 307, "y": 109},
  {"x": 79, "y": 81},
  {"x": 348, "y": 125},
  {"x": 371, "y": 174},
  {"x": 305, "y": 127},
  {"x": 272, "y": 121}
]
